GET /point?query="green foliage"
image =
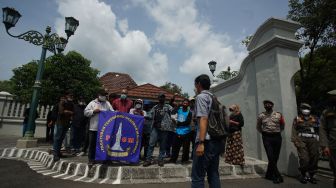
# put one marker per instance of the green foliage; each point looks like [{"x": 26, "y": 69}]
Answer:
[
  {"x": 318, "y": 21},
  {"x": 62, "y": 72},
  {"x": 228, "y": 74},
  {"x": 323, "y": 75},
  {"x": 247, "y": 40},
  {"x": 6, "y": 85},
  {"x": 173, "y": 88}
]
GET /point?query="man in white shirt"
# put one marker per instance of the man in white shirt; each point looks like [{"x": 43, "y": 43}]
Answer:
[{"x": 92, "y": 111}]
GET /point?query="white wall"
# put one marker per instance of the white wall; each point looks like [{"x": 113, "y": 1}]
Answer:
[{"x": 267, "y": 73}]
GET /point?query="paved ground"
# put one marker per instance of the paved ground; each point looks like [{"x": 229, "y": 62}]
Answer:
[{"x": 18, "y": 174}]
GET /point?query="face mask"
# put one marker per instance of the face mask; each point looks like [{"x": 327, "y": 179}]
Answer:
[
  {"x": 123, "y": 96},
  {"x": 305, "y": 112},
  {"x": 69, "y": 99},
  {"x": 102, "y": 98},
  {"x": 138, "y": 106},
  {"x": 81, "y": 103}
]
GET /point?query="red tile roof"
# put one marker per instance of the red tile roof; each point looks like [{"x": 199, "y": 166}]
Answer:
[
  {"x": 114, "y": 82},
  {"x": 151, "y": 92}
]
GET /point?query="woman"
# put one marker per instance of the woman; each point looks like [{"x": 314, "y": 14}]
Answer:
[{"x": 234, "y": 153}]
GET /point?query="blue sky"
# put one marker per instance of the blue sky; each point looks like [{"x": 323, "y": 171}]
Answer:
[{"x": 152, "y": 40}]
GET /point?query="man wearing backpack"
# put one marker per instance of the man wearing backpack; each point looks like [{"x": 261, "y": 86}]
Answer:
[{"x": 208, "y": 148}]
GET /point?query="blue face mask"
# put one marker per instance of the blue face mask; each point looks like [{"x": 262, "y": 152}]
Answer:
[{"x": 123, "y": 96}]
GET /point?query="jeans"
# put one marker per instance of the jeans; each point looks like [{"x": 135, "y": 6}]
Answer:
[
  {"x": 61, "y": 131},
  {"x": 92, "y": 145},
  {"x": 207, "y": 164},
  {"x": 77, "y": 137},
  {"x": 155, "y": 134}
]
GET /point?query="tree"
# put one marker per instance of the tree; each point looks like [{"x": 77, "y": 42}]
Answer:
[
  {"x": 62, "y": 72},
  {"x": 173, "y": 88},
  {"x": 318, "y": 20},
  {"x": 6, "y": 85},
  {"x": 323, "y": 72},
  {"x": 228, "y": 74}
]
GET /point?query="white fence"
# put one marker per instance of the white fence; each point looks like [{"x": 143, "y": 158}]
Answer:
[{"x": 12, "y": 116}]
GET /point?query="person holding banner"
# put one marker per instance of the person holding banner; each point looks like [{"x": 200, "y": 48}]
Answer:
[
  {"x": 138, "y": 110},
  {"x": 162, "y": 123},
  {"x": 92, "y": 111}
]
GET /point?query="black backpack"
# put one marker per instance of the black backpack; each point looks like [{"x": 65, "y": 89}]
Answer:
[{"x": 218, "y": 125}]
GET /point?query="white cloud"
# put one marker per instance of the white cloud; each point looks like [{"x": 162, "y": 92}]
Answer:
[
  {"x": 178, "y": 21},
  {"x": 99, "y": 40}
]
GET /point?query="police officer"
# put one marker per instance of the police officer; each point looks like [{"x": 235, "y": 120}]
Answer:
[
  {"x": 328, "y": 132},
  {"x": 270, "y": 124},
  {"x": 305, "y": 137}
]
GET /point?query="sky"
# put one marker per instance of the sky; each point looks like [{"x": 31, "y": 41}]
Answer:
[{"x": 154, "y": 41}]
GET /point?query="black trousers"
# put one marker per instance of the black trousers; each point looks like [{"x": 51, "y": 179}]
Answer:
[
  {"x": 272, "y": 144},
  {"x": 86, "y": 138},
  {"x": 181, "y": 140},
  {"x": 49, "y": 133},
  {"x": 92, "y": 145},
  {"x": 144, "y": 144}
]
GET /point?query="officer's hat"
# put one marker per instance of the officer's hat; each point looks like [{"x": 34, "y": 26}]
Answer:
[
  {"x": 268, "y": 101},
  {"x": 332, "y": 92},
  {"x": 305, "y": 106}
]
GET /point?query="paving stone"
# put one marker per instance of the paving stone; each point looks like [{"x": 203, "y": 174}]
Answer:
[{"x": 244, "y": 170}]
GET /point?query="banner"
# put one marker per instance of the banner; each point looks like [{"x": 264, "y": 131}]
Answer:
[{"x": 119, "y": 136}]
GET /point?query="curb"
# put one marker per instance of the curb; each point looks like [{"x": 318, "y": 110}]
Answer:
[{"x": 42, "y": 162}]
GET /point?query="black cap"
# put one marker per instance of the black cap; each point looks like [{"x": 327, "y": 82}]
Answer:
[
  {"x": 268, "y": 101},
  {"x": 162, "y": 95},
  {"x": 305, "y": 106}
]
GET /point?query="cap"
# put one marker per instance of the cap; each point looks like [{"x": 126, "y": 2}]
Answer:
[
  {"x": 139, "y": 100},
  {"x": 162, "y": 95},
  {"x": 268, "y": 101},
  {"x": 305, "y": 106},
  {"x": 332, "y": 92}
]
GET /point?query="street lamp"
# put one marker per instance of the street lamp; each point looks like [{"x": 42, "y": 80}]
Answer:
[
  {"x": 51, "y": 42},
  {"x": 212, "y": 67}
]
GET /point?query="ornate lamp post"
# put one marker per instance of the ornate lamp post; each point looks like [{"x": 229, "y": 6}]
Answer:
[
  {"x": 212, "y": 67},
  {"x": 51, "y": 42}
]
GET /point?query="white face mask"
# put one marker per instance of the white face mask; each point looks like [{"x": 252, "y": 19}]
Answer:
[
  {"x": 305, "y": 112},
  {"x": 102, "y": 98},
  {"x": 138, "y": 106}
]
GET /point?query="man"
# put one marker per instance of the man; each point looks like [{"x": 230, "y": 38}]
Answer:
[
  {"x": 139, "y": 110},
  {"x": 92, "y": 111},
  {"x": 306, "y": 140},
  {"x": 65, "y": 112},
  {"x": 328, "y": 132},
  {"x": 270, "y": 124},
  {"x": 162, "y": 123},
  {"x": 122, "y": 104},
  {"x": 193, "y": 125},
  {"x": 182, "y": 133},
  {"x": 207, "y": 150},
  {"x": 78, "y": 126}
]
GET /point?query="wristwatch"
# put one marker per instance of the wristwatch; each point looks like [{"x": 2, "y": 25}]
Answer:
[{"x": 201, "y": 142}]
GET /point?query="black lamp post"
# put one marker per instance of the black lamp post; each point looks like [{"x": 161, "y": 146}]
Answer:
[
  {"x": 51, "y": 42},
  {"x": 212, "y": 67}
]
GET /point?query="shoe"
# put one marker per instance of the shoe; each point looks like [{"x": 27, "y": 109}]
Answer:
[
  {"x": 56, "y": 158},
  {"x": 304, "y": 179},
  {"x": 81, "y": 154},
  {"x": 147, "y": 163},
  {"x": 161, "y": 163},
  {"x": 185, "y": 162},
  {"x": 172, "y": 161},
  {"x": 312, "y": 180},
  {"x": 268, "y": 177},
  {"x": 281, "y": 179},
  {"x": 276, "y": 180}
]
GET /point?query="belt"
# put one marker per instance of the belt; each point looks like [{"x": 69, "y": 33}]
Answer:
[{"x": 308, "y": 135}]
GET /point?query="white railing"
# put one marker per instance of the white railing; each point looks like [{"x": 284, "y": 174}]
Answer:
[{"x": 14, "y": 109}]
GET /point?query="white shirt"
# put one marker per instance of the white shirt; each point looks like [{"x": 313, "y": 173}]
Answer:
[{"x": 94, "y": 118}]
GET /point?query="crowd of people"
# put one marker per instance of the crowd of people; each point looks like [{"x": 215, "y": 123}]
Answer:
[{"x": 184, "y": 124}]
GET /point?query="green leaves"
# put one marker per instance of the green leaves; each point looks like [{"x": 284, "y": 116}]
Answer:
[{"x": 62, "y": 72}]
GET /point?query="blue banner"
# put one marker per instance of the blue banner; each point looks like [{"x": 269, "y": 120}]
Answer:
[{"x": 119, "y": 136}]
